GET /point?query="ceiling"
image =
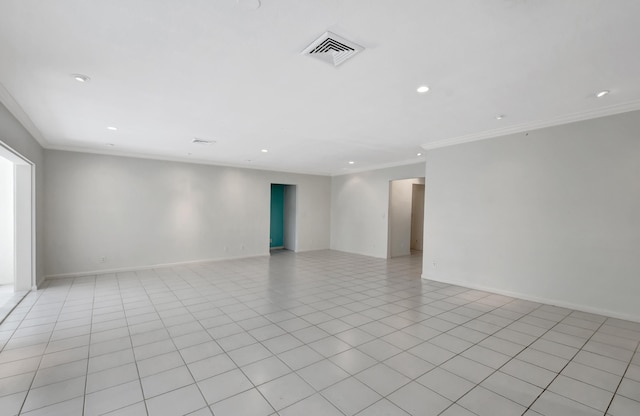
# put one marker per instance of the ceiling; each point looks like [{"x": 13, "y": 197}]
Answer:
[{"x": 166, "y": 71}]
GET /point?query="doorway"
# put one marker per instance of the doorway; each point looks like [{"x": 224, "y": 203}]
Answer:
[
  {"x": 7, "y": 219},
  {"x": 417, "y": 216},
  {"x": 406, "y": 216},
  {"x": 17, "y": 269},
  {"x": 283, "y": 233}
]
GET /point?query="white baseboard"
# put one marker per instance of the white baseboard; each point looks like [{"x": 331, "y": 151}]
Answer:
[
  {"x": 148, "y": 267},
  {"x": 308, "y": 250},
  {"x": 548, "y": 301},
  {"x": 153, "y": 266}
]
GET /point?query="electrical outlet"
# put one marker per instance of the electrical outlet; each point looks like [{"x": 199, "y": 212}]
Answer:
[{"x": 103, "y": 259}]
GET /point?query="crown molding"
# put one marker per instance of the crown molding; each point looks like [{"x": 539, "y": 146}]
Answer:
[
  {"x": 180, "y": 159},
  {"x": 16, "y": 110},
  {"x": 523, "y": 127},
  {"x": 379, "y": 166},
  {"x": 166, "y": 158}
]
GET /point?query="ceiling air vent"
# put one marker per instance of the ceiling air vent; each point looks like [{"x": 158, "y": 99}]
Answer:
[
  {"x": 332, "y": 48},
  {"x": 202, "y": 141}
]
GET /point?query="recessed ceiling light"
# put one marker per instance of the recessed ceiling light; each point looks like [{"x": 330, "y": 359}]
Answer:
[
  {"x": 81, "y": 78},
  {"x": 500, "y": 116},
  {"x": 422, "y": 89},
  {"x": 112, "y": 128},
  {"x": 264, "y": 150},
  {"x": 602, "y": 93},
  {"x": 418, "y": 154},
  {"x": 351, "y": 162}
]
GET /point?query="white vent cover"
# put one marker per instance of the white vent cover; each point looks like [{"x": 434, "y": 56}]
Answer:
[
  {"x": 197, "y": 140},
  {"x": 332, "y": 48}
]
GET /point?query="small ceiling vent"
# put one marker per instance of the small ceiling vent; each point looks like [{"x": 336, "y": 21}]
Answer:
[
  {"x": 332, "y": 48},
  {"x": 202, "y": 141}
]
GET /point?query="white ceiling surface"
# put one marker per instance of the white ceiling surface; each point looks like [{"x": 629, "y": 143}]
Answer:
[{"x": 164, "y": 72}]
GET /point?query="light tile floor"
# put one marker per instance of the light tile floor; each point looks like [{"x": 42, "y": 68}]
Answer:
[
  {"x": 320, "y": 333},
  {"x": 8, "y": 300}
]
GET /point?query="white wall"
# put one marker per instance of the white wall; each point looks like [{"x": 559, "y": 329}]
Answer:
[
  {"x": 400, "y": 207},
  {"x": 6, "y": 222},
  {"x": 552, "y": 216},
  {"x": 360, "y": 208},
  {"x": 290, "y": 242},
  {"x": 139, "y": 212},
  {"x": 14, "y": 135}
]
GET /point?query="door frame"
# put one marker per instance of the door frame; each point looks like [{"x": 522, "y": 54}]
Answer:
[
  {"x": 290, "y": 219},
  {"x": 417, "y": 214},
  {"x": 391, "y": 215},
  {"x": 24, "y": 219}
]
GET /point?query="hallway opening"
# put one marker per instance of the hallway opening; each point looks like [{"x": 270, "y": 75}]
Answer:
[
  {"x": 406, "y": 216},
  {"x": 17, "y": 270},
  {"x": 283, "y": 232}
]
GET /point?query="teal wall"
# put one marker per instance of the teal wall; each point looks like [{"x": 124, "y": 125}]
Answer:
[{"x": 277, "y": 216}]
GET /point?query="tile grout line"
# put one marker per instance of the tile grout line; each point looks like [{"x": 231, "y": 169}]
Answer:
[
  {"x": 457, "y": 306},
  {"x": 446, "y": 332},
  {"x": 35, "y": 374},
  {"x": 212, "y": 339},
  {"x": 622, "y": 378},
  {"x": 540, "y": 305},
  {"x": 11, "y": 309},
  {"x": 86, "y": 375},
  {"x": 569, "y": 360},
  {"x": 227, "y": 354},
  {"x": 124, "y": 312},
  {"x": 292, "y": 371},
  {"x": 565, "y": 366},
  {"x": 525, "y": 347},
  {"x": 154, "y": 305},
  {"x": 23, "y": 318}
]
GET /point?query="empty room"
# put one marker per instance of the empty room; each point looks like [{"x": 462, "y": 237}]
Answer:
[{"x": 319, "y": 208}]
